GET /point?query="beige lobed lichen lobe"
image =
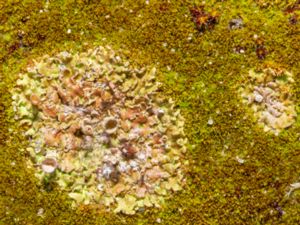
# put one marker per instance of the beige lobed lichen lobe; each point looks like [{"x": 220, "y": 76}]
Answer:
[
  {"x": 102, "y": 129},
  {"x": 269, "y": 94}
]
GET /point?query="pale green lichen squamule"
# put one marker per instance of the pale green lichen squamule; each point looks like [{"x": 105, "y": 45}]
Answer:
[
  {"x": 100, "y": 130},
  {"x": 269, "y": 95}
]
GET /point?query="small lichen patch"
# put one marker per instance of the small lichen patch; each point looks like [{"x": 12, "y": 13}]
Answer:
[
  {"x": 269, "y": 94},
  {"x": 100, "y": 129}
]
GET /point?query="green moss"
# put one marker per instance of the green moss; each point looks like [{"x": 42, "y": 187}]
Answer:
[{"x": 205, "y": 76}]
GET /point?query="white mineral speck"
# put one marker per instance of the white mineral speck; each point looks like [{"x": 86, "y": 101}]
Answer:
[
  {"x": 258, "y": 97},
  {"x": 160, "y": 111},
  {"x": 136, "y": 130},
  {"x": 100, "y": 187},
  {"x": 141, "y": 156},
  {"x": 133, "y": 164},
  {"x": 106, "y": 158},
  {"x": 106, "y": 171},
  {"x": 114, "y": 160},
  {"x": 123, "y": 167},
  {"x": 62, "y": 67},
  {"x": 40, "y": 212},
  {"x": 190, "y": 37},
  {"x": 69, "y": 31},
  {"x": 210, "y": 121},
  {"x": 154, "y": 161},
  {"x": 118, "y": 58},
  {"x": 240, "y": 160}
]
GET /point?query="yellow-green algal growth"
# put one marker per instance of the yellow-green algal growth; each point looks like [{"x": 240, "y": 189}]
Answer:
[
  {"x": 269, "y": 94},
  {"x": 100, "y": 129}
]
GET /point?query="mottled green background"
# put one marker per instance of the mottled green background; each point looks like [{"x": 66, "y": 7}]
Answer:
[{"x": 203, "y": 75}]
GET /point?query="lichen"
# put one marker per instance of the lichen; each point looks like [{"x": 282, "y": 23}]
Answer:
[
  {"x": 99, "y": 136},
  {"x": 269, "y": 95}
]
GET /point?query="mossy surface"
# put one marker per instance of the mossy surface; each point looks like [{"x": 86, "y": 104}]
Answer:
[{"x": 201, "y": 71}]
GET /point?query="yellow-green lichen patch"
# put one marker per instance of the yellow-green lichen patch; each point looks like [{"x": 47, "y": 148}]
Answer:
[{"x": 98, "y": 128}]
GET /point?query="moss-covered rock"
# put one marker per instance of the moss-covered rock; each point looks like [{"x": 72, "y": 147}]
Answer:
[{"x": 207, "y": 71}]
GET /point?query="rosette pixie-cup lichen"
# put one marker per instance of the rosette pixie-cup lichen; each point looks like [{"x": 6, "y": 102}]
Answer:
[
  {"x": 101, "y": 129},
  {"x": 269, "y": 94}
]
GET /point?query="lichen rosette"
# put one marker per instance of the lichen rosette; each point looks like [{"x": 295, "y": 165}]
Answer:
[
  {"x": 269, "y": 94},
  {"x": 100, "y": 130}
]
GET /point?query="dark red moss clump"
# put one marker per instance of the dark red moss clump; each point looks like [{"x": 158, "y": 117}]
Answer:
[
  {"x": 261, "y": 50},
  {"x": 292, "y": 11},
  {"x": 202, "y": 19}
]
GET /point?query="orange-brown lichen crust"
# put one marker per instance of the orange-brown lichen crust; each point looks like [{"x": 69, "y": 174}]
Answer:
[{"x": 207, "y": 71}]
